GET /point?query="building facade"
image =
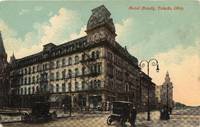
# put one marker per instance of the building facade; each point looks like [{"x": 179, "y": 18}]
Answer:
[{"x": 90, "y": 71}]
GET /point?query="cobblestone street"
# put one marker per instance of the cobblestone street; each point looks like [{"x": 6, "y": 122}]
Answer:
[{"x": 180, "y": 118}]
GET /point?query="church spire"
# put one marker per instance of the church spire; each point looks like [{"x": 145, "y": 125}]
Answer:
[{"x": 167, "y": 78}]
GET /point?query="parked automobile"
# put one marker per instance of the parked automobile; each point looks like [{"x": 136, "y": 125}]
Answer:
[
  {"x": 121, "y": 112},
  {"x": 40, "y": 112}
]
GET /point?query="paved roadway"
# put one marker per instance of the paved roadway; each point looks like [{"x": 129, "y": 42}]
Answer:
[{"x": 180, "y": 118}]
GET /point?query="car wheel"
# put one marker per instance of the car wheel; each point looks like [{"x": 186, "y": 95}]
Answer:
[{"x": 109, "y": 120}]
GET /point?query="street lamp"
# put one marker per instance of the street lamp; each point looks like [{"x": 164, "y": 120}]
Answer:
[{"x": 143, "y": 63}]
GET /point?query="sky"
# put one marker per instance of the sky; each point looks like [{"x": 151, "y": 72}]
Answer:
[{"x": 171, "y": 36}]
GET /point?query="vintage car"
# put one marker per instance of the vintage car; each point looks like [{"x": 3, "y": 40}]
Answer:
[
  {"x": 120, "y": 112},
  {"x": 39, "y": 113}
]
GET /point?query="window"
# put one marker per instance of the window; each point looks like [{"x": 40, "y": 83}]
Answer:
[
  {"x": 22, "y": 91},
  {"x": 25, "y": 90},
  {"x": 63, "y": 87},
  {"x": 83, "y": 70},
  {"x": 33, "y": 69},
  {"x": 29, "y": 80},
  {"x": 99, "y": 68},
  {"x": 57, "y": 75},
  {"x": 57, "y": 64},
  {"x": 76, "y": 86},
  {"x": 70, "y": 73},
  {"x": 37, "y": 88},
  {"x": 69, "y": 86},
  {"x": 83, "y": 56},
  {"x": 52, "y": 65},
  {"x": 76, "y": 72},
  {"x": 29, "y": 70},
  {"x": 126, "y": 87},
  {"x": 97, "y": 54},
  {"x": 33, "y": 80},
  {"x": 38, "y": 69},
  {"x": 63, "y": 62},
  {"x": 70, "y": 61},
  {"x": 33, "y": 90},
  {"x": 25, "y": 71},
  {"x": 83, "y": 85},
  {"x": 99, "y": 84},
  {"x": 76, "y": 59},
  {"x": 63, "y": 73},
  {"x": 52, "y": 76},
  {"x": 37, "y": 78},
  {"x": 57, "y": 88},
  {"x": 93, "y": 55}
]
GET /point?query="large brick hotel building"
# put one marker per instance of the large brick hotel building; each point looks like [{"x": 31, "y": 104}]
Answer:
[{"x": 92, "y": 70}]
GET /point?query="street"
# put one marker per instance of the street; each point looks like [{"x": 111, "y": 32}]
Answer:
[{"x": 181, "y": 118}]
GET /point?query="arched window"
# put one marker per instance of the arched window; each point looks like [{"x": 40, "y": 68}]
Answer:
[
  {"x": 63, "y": 62},
  {"x": 83, "y": 56},
  {"x": 64, "y": 74},
  {"x": 37, "y": 78},
  {"x": 97, "y": 54},
  {"x": 93, "y": 55},
  {"x": 70, "y": 73},
  {"x": 76, "y": 59},
  {"x": 70, "y": 61},
  {"x": 33, "y": 80}
]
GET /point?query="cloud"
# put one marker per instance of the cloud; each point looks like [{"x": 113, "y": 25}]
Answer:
[
  {"x": 38, "y": 8},
  {"x": 123, "y": 29},
  {"x": 23, "y": 11},
  {"x": 79, "y": 34},
  {"x": 60, "y": 28},
  {"x": 183, "y": 65}
]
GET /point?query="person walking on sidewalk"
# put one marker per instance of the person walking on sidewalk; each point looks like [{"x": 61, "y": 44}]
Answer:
[{"x": 133, "y": 116}]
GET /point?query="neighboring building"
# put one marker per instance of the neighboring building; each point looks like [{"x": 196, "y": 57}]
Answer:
[
  {"x": 4, "y": 81},
  {"x": 92, "y": 70},
  {"x": 145, "y": 83},
  {"x": 158, "y": 96},
  {"x": 166, "y": 92}
]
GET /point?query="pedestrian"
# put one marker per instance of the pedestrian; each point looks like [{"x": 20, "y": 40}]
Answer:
[{"x": 133, "y": 116}]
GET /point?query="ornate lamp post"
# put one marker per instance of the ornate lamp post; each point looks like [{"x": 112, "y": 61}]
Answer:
[{"x": 143, "y": 63}]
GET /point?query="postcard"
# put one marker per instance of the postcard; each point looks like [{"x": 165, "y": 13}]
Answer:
[{"x": 89, "y": 63}]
